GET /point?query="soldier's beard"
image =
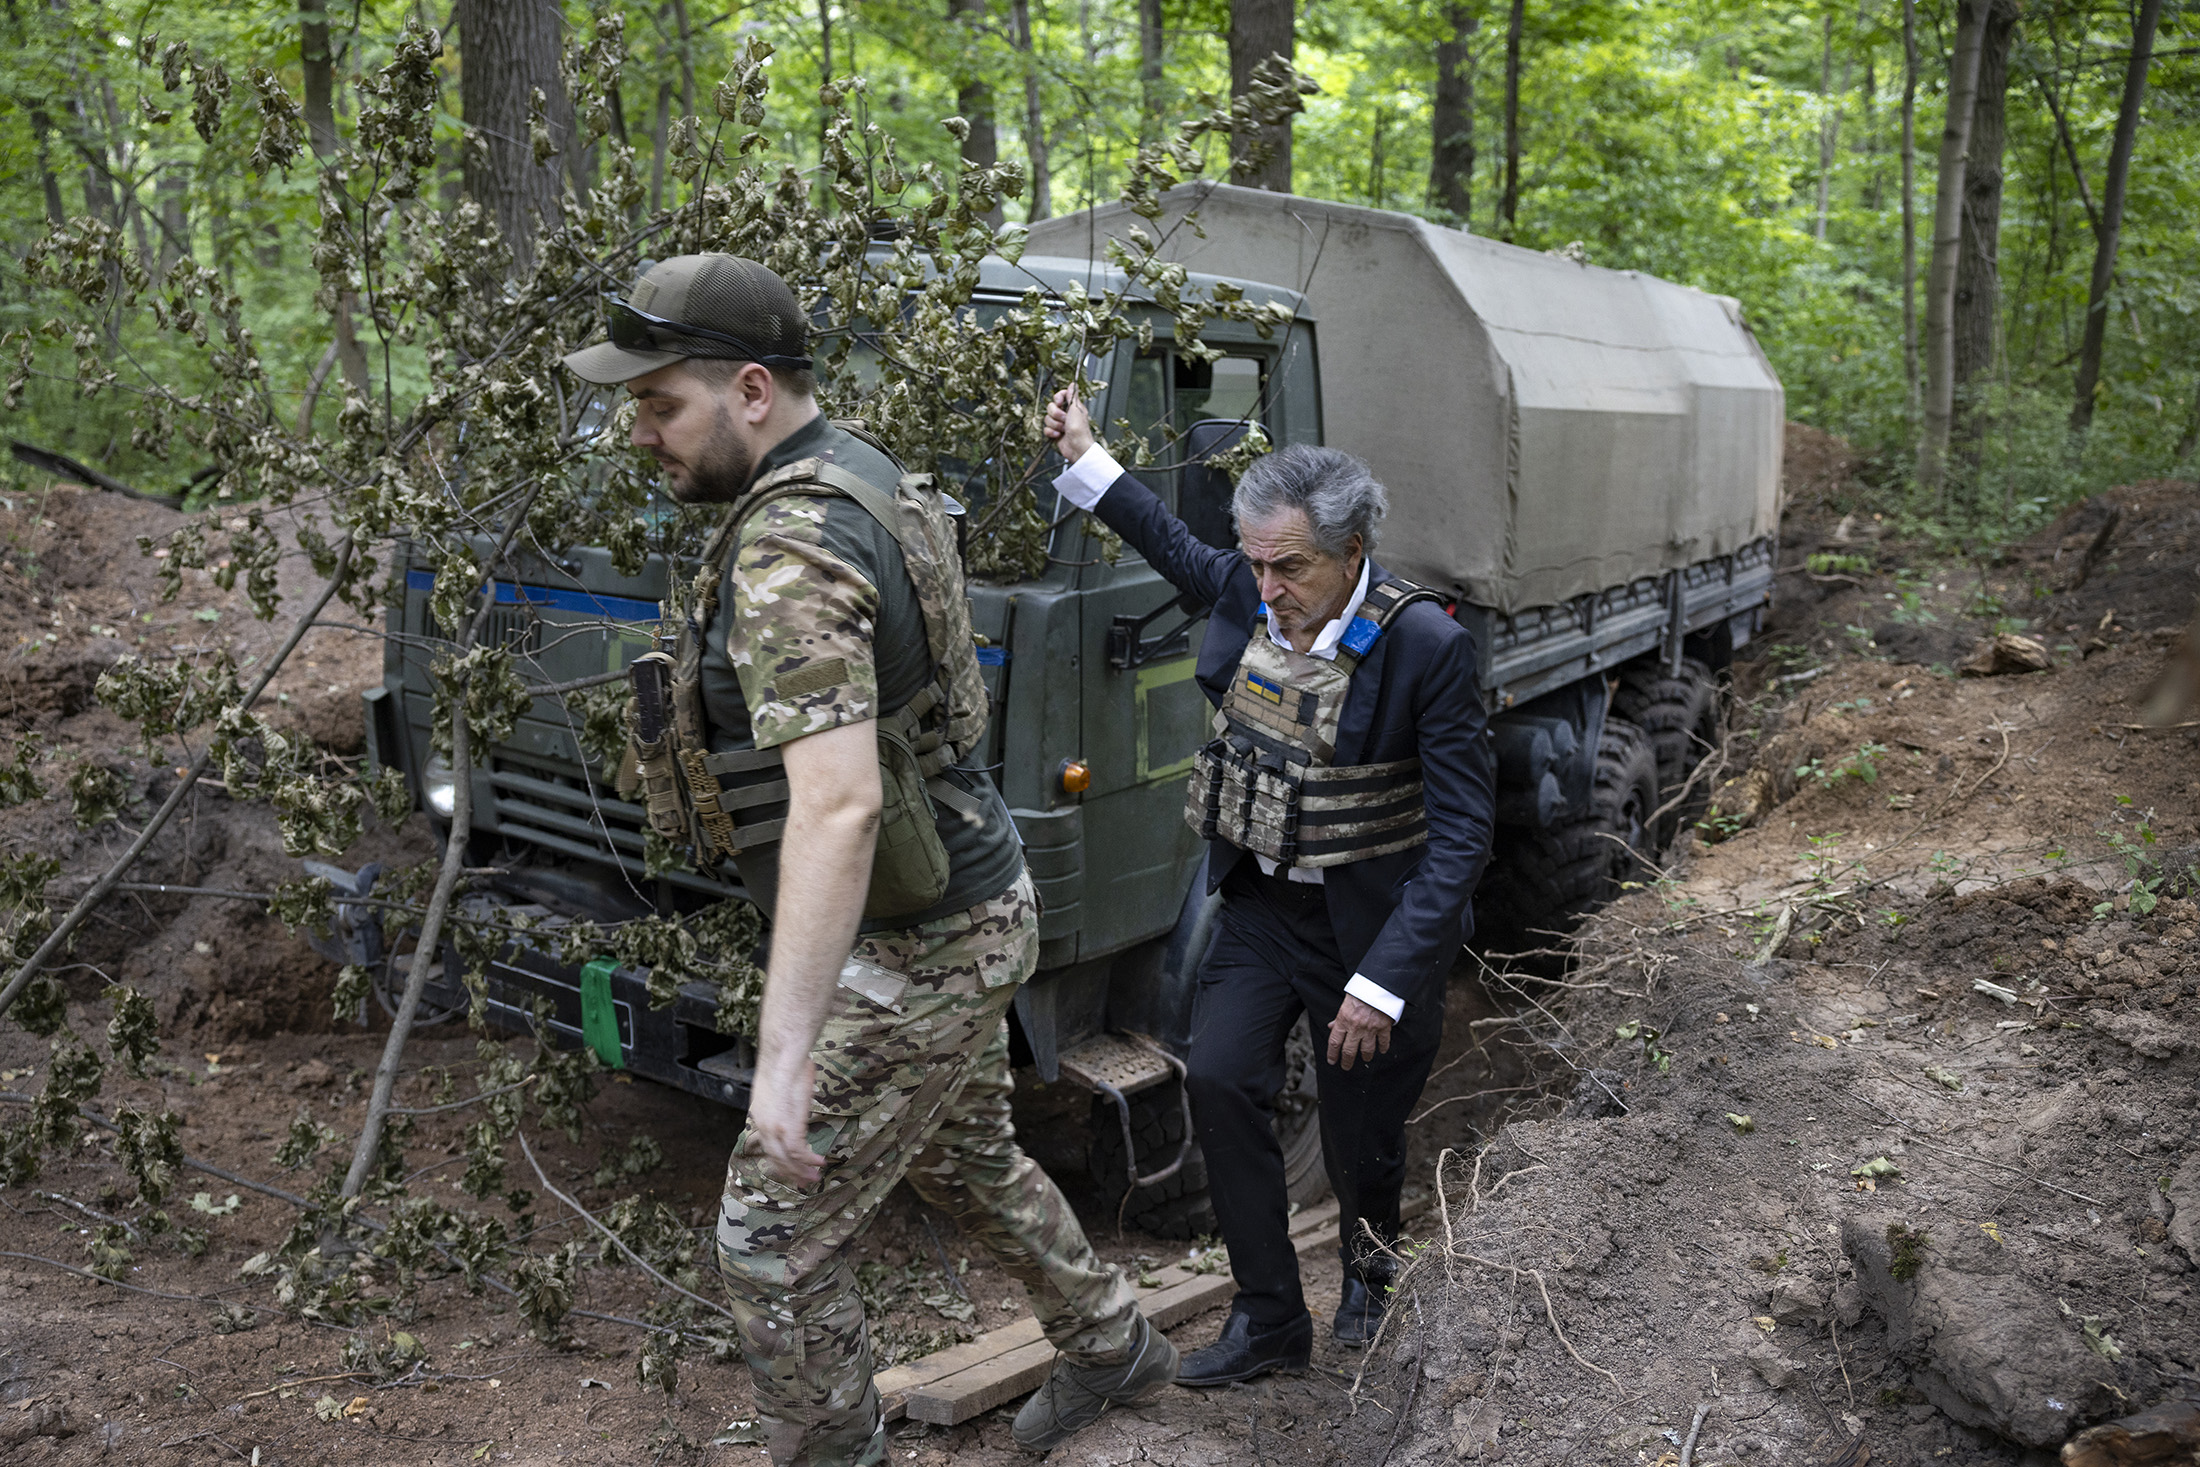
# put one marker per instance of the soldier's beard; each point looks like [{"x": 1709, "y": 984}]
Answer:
[{"x": 720, "y": 469}]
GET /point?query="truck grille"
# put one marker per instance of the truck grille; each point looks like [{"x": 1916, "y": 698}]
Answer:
[{"x": 553, "y": 806}]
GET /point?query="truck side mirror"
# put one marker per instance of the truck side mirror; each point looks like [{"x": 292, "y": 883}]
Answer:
[{"x": 1203, "y": 491}]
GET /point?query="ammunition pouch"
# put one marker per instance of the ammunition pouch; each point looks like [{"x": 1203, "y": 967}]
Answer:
[{"x": 1301, "y": 815}]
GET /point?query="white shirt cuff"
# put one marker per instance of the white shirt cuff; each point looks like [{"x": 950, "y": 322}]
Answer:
[
  {"x": 1375, "y": 996},
  {"x": 1084, "y": 481}
]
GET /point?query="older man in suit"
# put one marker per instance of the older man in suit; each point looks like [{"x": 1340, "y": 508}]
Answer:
[{"x": 1348, "y": 794}]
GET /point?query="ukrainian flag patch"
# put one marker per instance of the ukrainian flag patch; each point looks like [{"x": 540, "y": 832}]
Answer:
[{"x": 1261, "y": 688}]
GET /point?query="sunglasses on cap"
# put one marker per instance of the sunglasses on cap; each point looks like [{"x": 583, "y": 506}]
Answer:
[{"x": 635, "y": 330}]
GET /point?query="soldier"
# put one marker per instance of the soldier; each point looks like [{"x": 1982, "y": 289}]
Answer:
[
  {"x": 1349, "y": 797},
  {"x": 824, "y": 693}
]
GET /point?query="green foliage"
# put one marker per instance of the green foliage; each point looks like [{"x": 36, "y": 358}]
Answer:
[
  {"x": 1861, "y": 766},
  {"x": 1907, "y": 1249},
  {"x": 147, "y": 1144},
  {"x": 19, "y": 781},
  {"x": 543, "y": 1283},
  {"x": 96, "y": 795},
  {"x": 304, "y": 1140},
  {"x": 642, "y": 1156},
  {"x": 109, "y": 1249},
  {"x": 133, "y": 1031},
  {"x": 23, "y": 880}
]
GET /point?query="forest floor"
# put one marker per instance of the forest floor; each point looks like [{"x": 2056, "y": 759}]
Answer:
[{"x": 1818, "y": 1087}]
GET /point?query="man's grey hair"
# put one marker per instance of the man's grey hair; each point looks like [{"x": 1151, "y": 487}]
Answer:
[{"x": 1336, "y": 491}]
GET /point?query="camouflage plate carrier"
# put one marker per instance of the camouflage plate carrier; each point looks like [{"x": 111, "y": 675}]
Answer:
[
  {"x": 1265, "y": 782},
  {"x": 719, "y": 804}
]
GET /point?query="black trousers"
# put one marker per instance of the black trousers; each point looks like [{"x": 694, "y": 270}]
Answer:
[{"x": 1274, "y": 958}]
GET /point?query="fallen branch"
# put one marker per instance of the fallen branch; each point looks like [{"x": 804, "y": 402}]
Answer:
[
  {"x": 18, "y": 1098},
  {"x": 632, "y": 1257},
  {"x": 429, "y": 1110},
  {"x": 1688, "y": 1448},
  {"x": 66, "y": 927},
  {"x": 62, "y": 466}
]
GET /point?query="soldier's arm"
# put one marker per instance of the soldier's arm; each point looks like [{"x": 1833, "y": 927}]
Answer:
[
  {"x": 833, "y": 807},
  {"x": 801, "y": 643}
]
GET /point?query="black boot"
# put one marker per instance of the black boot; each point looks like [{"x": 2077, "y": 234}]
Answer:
[
  {"x": 1246, "y": 1350},
  {"x": 1359, "y": 1312}
]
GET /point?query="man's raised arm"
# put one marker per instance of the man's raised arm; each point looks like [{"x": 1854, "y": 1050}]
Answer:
[{"x": 1095, "y": 481}]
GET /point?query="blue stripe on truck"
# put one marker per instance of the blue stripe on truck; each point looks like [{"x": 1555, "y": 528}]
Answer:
[{"x": 613, "y": 608}]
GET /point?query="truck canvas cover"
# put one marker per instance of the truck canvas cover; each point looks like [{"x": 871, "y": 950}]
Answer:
[{"x": 1546, "y": 428}]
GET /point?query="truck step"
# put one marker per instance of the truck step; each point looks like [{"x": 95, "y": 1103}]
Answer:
[{"x": 1113, "y": 1060}]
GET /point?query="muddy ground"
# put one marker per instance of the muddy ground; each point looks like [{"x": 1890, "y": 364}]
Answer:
[{"x": 1637, "y": 1226}]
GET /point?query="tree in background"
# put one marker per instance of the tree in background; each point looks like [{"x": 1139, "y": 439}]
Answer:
[
  {"x": 519, "y": 121},
  {"x": 2143, "y": 26},
  {"x": 1940, "y": 280},
  {"x": 1451, "y": 118},
  {"x": 1260, "y": 29}
]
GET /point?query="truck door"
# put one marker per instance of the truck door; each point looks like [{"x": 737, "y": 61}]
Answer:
[{"x": 1143, "y": 715}]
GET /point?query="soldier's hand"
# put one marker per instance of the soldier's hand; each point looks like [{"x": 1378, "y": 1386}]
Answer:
[
  {"x": 779, "y": 1114},
  {"x": 1069, "y": 425},
  {"x": 1359, "y": 1031}
]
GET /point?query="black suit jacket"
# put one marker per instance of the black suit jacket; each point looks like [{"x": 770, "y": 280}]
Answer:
[{"x": 1400, "y": 919}]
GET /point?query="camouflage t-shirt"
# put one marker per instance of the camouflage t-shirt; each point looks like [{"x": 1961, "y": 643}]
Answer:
[{"x": 817, "y": 626}]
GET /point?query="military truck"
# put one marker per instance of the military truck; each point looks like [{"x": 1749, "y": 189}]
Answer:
[{"x": 1585, "y": 462}]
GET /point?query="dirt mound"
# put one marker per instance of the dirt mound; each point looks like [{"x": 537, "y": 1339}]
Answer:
[{"x": 1817, "y": 469}]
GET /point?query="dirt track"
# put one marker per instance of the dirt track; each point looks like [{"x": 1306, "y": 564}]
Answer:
[{"x": 1667, "y": 1236}]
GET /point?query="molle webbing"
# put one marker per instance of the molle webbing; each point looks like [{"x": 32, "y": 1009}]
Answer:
[
  {"x": 728, "y": 802},
  {"x": 1265, "y": 782}
]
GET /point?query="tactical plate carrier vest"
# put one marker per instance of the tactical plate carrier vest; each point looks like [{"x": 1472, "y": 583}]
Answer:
[
  {"x": 720, "y": 804},
  {"x": 1265, "y": 782}
]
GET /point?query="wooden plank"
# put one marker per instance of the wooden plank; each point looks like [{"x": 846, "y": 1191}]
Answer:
[
  {"x": 967, "y": 1393},
  {"x": 952, "y": 1385},
  {"x": 895, "y": 1385}
]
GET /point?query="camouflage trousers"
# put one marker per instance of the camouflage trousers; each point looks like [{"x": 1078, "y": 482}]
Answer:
[{"x": 915, "y": 1082}]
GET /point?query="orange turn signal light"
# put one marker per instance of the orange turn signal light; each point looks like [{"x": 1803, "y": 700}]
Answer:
[{"x": 1076, "y": 776}]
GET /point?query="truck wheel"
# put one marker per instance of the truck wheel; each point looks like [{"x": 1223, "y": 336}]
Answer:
[
  {"x": 1545, "y": 881},
  {"x": 1681, "y": 716},
  {"x": 1179, "y": 1206}
]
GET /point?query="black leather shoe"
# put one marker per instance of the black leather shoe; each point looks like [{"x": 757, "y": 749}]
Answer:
[
  {"x": 1246, "y": 1350},
  {"x": 1359, "y": 1313}
]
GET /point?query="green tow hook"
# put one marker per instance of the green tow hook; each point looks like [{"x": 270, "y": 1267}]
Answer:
[{"x": 599, "y": 1021}]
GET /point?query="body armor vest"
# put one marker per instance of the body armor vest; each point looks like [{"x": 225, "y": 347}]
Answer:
[
  {"x": 1265, "y": 782},
  {"x": 721, "y": 803}
]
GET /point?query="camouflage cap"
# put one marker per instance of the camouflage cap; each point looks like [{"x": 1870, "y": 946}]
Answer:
[{"x": 718, "y": 306}]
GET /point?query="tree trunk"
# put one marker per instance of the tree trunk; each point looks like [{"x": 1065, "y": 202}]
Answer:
[
  {"x": 319, "y": 63},
  {"x": 175, "y": 220},
  {"x": 508, "y": 51},
  {"x": 973, "y": 95},
  {"x": 824, "y": 64},
  {"x": 1940, "y": 279},
  {"x": 1035, "y": 125},
  {"x": 2112, "y": 213},
  {"x": 1508, "y": 204},
  {"x": 661, "y": 131},
  {"x": 1260, "y": 29},
  {"x": 1151, "y": 68},
  {"x": 1909, "y": 206},
  {"x": 1978, "y": 270},
  {"x": 1829, "y": 132},
  {"x": 1451, "y": 144}
]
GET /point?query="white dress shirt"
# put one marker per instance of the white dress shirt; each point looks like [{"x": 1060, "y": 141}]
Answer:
[{"x": 1082, "y": 484}]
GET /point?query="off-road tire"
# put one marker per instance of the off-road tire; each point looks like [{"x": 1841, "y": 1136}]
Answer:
[
  {"x": 1681, "y": 716},
  {"x": 1545, "y": 881},
  {"x": 1179, "y": 1207}
]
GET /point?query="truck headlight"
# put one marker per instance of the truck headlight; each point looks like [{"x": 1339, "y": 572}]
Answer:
[{"x": 439, "y": 787}]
